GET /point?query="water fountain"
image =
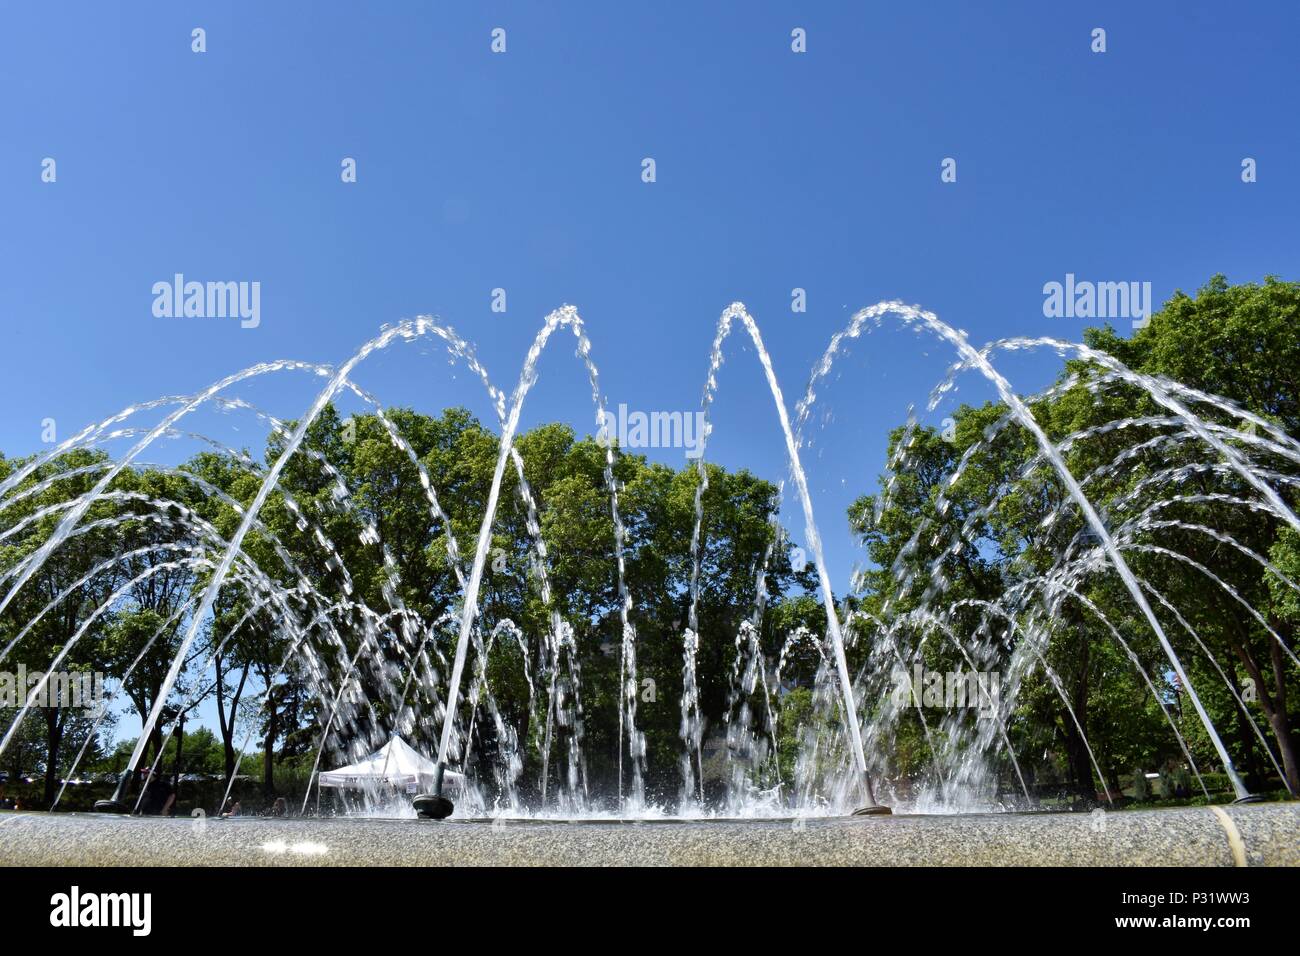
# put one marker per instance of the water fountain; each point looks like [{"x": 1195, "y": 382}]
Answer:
[{"x": 341, "y": 644}]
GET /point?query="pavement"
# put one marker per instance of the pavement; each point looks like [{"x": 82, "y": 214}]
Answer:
[{"x": 1248, "y": 835}]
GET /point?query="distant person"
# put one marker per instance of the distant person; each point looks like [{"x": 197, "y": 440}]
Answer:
[
  {"x": 232, "y": 808},
  {"x": 280, "y": 808},
  {"x": 158, "y": 797}
]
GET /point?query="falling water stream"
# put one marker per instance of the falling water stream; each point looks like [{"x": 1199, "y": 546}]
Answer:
[{"x": 846, "y": 741}]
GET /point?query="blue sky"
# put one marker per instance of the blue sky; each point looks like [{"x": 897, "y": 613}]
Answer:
[{"x": 522, "y": 170}]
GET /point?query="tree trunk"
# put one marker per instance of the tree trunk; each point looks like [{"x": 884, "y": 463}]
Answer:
[
  {"x": 1076, "y": 747},
  {"x": 1276, "y": 716},
  {"x": 268, "y": 749},
  {"x": 1278, "y": 720},
  {"x": 227, "y": 724},
  {"x": 53, "y": 741},
  {"x": 180, "y": 755},
  {"x": 158, "y": 742},
  {"x": 1281, "y": 727},
  {"x": 1080, "y": 766},
  {"x": 1252, "y": 768}
]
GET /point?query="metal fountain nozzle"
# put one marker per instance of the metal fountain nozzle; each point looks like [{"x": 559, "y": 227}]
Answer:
[
  {"x": 117, "y": 802},
  {"x": 434, "y": 806},
  {"x": 871, "y": 809}
]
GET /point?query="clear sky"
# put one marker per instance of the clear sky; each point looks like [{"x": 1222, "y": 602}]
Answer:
[{"x": 523, "y": 170}]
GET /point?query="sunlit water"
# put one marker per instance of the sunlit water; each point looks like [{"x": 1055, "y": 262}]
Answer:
[{"x": 439, "y": 697}]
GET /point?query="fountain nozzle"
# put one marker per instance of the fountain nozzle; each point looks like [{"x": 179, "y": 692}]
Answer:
[
  {"x": 116, "y": 803},
  {"x": 872, "y": 809},
  {"x": 434, "y": 806}
]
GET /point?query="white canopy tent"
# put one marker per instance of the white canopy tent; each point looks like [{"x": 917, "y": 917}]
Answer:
[{"x": 396, "y": 763}]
